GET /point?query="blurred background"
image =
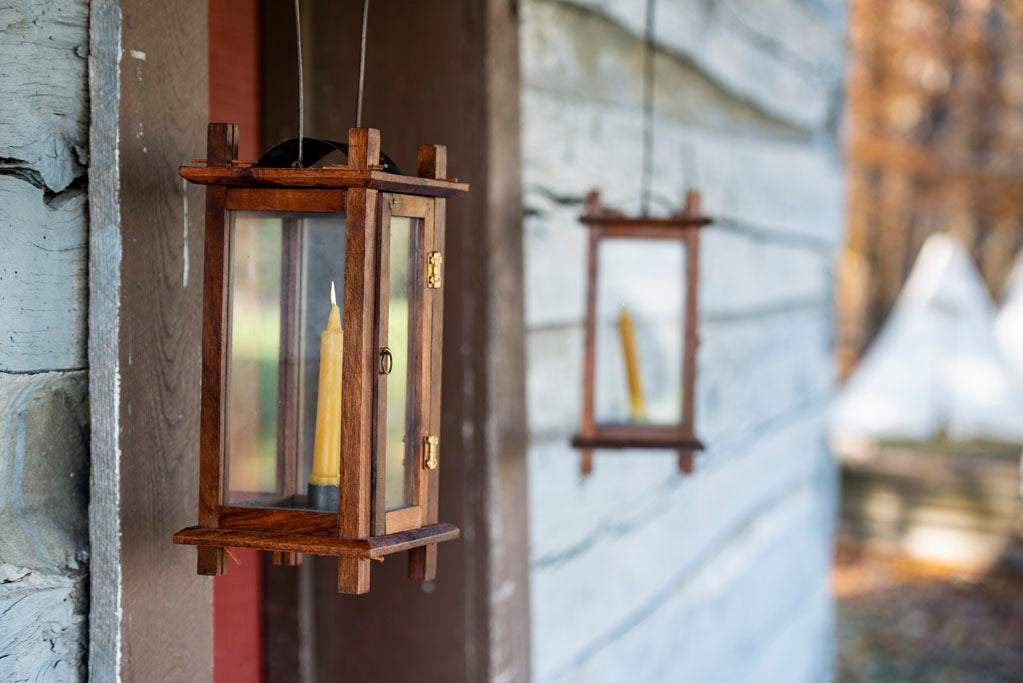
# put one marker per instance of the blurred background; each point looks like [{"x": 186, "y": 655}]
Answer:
[
  {"x": 856, "y": 512},
  {"x": 928, "y": 575}
]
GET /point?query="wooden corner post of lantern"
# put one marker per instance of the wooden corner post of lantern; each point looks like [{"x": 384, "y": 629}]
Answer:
[
  {"x": 321, "y": 355},
  {"x": 620, "y": 408}
]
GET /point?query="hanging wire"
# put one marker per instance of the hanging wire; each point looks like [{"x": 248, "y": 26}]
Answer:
[
  {"x": 648, "y": 108},
  {"x": 301, "y": 89},
  {"x": 690, "y": 174},
  {"x": 362, "y": 63}
]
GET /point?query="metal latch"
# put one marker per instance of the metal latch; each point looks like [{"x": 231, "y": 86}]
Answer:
[
  {"x": 430, "y": 444},
  {"x": 433, "y": 276}
]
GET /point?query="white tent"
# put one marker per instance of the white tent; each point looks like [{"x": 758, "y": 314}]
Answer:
[
  {"x": 935, "y": 364},
  {"x": 1009, "y": 324}
]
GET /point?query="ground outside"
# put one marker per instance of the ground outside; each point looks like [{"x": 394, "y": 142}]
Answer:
[{"x": 901, "y": 619}]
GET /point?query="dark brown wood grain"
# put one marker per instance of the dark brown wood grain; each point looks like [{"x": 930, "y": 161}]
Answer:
[
  {"x": 348, "y": 548},
  {"x": 221, "y": 147},
  {"x": 358, "y": 362},
  {"x": 309, "y": 522},
  {"x": 363, "y": 150},
  {"x": 432, "y": 162},
  {"x": 420, "y": 209},
  {"x": 163, "y": 608},
  {"x": 324, "y": 177},
  {"x": 285, "y": 199},
  {"x": 419, "y": 363}
]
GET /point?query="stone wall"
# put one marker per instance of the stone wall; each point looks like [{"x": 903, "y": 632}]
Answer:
[
  {"x": 638, "y": 572},
  {"x": 43, "y": 308}
]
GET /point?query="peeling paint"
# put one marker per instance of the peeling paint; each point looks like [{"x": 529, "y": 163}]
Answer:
[
  {"x": 106, "y": 612},
  {"x": 44, "y": 620},
  {"x": 184, "y": 248},
  {"x": 44, "y": 111}
]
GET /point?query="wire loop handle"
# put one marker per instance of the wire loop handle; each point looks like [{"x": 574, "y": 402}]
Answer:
[
  {"x": 648, "y": 108},
  {"x": 301, "y": 89}
]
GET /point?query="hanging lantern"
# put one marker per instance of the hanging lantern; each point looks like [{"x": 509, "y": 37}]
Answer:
[
  {"x": 321, "y": 355},
  {"x": 639, "y": 369}
]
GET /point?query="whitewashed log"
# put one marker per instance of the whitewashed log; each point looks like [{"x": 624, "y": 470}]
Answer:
[
  {"x": 106, "y": 587},
  {"x": 742, "y": 272},
  {"x": 43, "y": 278},
  {"x": 43, "y": 634},
  {"x": 783, "y": 189},
  {"x": 44, "y": 469},
  {"x": 610, "y": 581},
  {"x": 751, "y": 369},
  {"x": 44, "y": 113},
  {"x": 784, "y": 55},
  {"x": 637, "y": 572}
]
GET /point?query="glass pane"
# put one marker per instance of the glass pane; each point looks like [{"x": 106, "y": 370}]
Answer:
[
  {"x": 281, "y": 272},
  {"x": 401, "y": 341},
  {"x": 322, "y": 263},
  {"x": 640, "y": 331},
  {"x": 255, "y": 356}
]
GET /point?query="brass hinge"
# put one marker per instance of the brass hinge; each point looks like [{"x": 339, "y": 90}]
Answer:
[
  {"x": 433, "y": 275},
  {"x": 430, "y": 444}
]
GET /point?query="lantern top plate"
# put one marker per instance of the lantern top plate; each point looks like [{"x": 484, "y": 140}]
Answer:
[
  {"x": 324, "y": 177},
  {"x": 612, "y": 223}
]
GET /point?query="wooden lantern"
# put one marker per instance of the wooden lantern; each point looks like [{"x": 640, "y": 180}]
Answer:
[
  {"x": 276, "y": 239},
  {"x": 638, "y": 391}
]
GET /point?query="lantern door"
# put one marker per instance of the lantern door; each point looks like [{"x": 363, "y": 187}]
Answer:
[{"x": 406, "y": 444}]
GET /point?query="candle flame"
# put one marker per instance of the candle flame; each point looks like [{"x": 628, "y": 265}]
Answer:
[{"x": 333, "y": 294}]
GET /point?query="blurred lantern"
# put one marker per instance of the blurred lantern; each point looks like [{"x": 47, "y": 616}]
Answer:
[
  {"x": 320, "y": 414},
  {"x": 640, "y": 341}
]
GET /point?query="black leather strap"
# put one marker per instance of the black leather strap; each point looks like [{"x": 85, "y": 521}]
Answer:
[{"x": 285, "y": 154}]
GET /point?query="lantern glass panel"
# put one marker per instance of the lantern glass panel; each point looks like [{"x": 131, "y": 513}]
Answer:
[
  {"x": 282, "y": 266},
  {"x": 402, "y": 310},
  {"x": 640, "y": 331}
]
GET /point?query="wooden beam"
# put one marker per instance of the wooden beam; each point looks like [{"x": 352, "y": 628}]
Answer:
[
  {"x": 105, "y": 245},
  {"x": 147, "y": 64},
  {"x": 221, "y": 146}
]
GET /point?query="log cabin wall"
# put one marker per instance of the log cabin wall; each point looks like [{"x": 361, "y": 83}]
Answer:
[
  {"x": 44, "y": 408},
  {"x": 637, "y": 572}
]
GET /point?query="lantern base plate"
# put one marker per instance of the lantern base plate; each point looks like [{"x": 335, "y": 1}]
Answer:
[
  {"x": 635, "y": 436},
  {"x": 330, "y": 546}
]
